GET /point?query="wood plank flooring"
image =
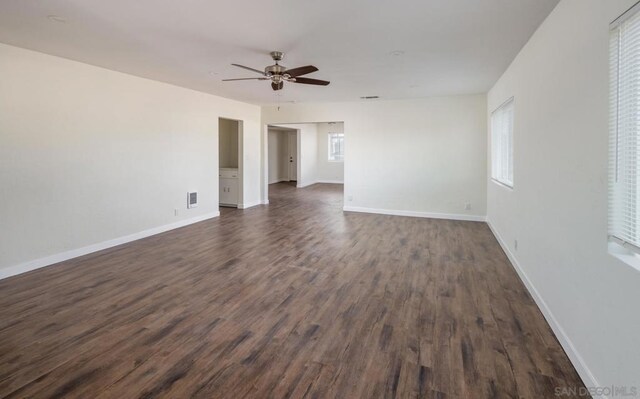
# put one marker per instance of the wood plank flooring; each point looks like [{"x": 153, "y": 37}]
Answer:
[{"x": 291, "y": 300}]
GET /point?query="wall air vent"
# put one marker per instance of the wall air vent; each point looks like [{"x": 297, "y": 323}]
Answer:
[{"x": 192, "y": 199}]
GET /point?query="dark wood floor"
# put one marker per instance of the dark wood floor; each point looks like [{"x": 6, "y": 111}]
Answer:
[{"x": 294, "y": 299}]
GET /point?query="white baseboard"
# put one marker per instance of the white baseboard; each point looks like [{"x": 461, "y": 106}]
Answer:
[
  {"x": 574, "y": 356},
  {"x": 432, "y": 215},
  {"x": 249, "y": 205},
  {"x": 330, "y": 181},
  {"x": 302, "y": 185},
  {"x": 74, "y": 253},
  {"x": 279, "y": 180}
]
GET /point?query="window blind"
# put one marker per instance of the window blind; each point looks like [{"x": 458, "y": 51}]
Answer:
[
  {"x": 502, "y": 143},
  {"x": 624, "y": 129}
]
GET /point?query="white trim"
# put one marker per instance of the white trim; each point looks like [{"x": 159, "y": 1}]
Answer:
[
  {"x": 624, "y": 254},
  {"x": 265, "y": 202},
  {"x": 299, "y": 185},
  {"x": 74, "y": 253},
  {"x": 279, "y": 180},
  {"x": 574, "y": 356},
  {"x": 330, "y": 181},
  {"x": 625, "y": 16},
  {"x": 432, "y": 215},
  {"x": 249, "y": 205},
  {"x": 501, "y": 183}
]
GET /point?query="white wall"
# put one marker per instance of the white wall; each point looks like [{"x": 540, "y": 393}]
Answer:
[
  {"x": 228, "y": 141},
  {"x": 329, "y": 171},
  {"x": 558, "y": 208},
  {"x": 308, "y": 154},
  {"x": 251, "y": 164},
  {"x": 422, "y": 157},
  {"x": 89, "y": 155}
]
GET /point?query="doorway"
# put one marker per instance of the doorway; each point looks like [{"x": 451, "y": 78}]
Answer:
[
  {"x": 229, "y": 162},
  {"x": 283, "y": 155},
  {"x": 304, "y": 153}
]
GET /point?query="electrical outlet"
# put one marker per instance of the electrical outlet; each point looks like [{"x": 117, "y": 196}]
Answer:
[
  {"x": 350, "y": 198},
  {"x": 515, "y": 244},
  {"x": 175, "y": 212},
  {"x": 467, "y": 206}
]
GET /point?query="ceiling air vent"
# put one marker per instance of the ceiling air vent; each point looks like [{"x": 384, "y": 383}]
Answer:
[
  {"x": 369, "y": 97},
  {"x": 192, "y": 199}
]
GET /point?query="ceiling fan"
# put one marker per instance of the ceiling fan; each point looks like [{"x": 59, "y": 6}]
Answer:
[{"x": 278, "y": 74}]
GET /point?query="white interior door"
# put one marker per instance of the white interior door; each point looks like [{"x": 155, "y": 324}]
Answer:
[{"x": 293, "y": 156}]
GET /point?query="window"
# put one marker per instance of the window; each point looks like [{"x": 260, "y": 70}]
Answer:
[
  {"x": 502, "y": 144},
  {"x": 336, "y": 147},
  {"x": 624, "y": 131}
]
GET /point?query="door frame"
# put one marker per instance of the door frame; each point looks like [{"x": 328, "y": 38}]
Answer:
[
  {"x": 240, "y": 159},
  {"x": 287, "y": 133}
]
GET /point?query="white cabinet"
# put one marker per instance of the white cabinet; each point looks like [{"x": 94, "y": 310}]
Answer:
[
  {"x": 228, "y": 191},
  {"x": 228, "y": 187}
]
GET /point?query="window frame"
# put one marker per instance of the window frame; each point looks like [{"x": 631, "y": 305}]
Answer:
[
  {"x": 495, "y": 176},
  {"x": 329, "y": 149},
  {"x": 626, "y": 249}
]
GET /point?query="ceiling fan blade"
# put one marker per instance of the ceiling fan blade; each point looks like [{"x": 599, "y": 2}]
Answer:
[
  {"x": 227, "y": 80},
  {"x": 249, "y": 69},
  {"x": 303, "y": 70},
  {"x": 308, "y": 81},
  {"x": 277, "y": 86}
]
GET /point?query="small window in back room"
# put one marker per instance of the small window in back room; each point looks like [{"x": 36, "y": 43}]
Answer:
[
  {"x": 624, "y": 135},
  {"x": 336, "y": 147},
  {"x": 502, "y": 144}
]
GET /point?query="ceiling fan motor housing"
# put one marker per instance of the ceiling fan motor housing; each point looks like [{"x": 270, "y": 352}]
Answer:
[{"x": 275, "y": 70}]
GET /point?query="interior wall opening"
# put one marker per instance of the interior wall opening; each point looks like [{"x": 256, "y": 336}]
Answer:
[
  {"x": 229, "y": 162},
  {"x": 303, "y": 154}
]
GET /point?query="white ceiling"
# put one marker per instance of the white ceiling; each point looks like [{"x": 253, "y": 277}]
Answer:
[{"x": 449, "y": 46}]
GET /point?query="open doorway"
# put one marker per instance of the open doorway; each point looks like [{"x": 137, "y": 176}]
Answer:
[
  {"x": 283, "y": 154},
  {"x": 304, "y": 154},
  {"x": 229, "y": 162}
]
